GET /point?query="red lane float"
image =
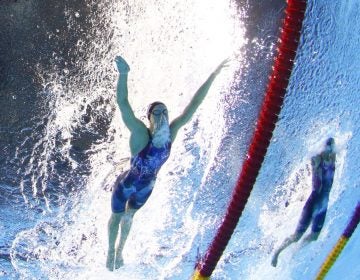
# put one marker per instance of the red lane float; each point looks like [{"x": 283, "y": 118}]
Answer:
[{"x": 275, "y": 92}]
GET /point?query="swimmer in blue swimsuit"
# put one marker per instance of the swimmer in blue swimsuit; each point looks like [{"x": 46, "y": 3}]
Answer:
[
  {"x": 323, "y": 169},
  {"x": 150, "y": 148}
]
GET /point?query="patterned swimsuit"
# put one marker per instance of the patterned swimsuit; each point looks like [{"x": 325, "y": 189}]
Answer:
[
  {"x": 137, "y": 183},
  {"x": 316, "y": 206}
]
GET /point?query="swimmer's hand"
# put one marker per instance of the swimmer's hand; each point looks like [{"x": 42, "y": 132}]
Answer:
[
  {"x": 223, "y": 64},
  {"x": 122, "y": 65}
]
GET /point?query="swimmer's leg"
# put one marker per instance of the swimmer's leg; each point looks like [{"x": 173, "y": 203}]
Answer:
[
  {"x": 118, "y": 203},
  {"x": 317, "y": 225},
  {"x": 300, "y": 230},
  {"x": 287, "y": 242},
  {"x": 113, "y": 229},
  {"x": 126, "y": 222},
  {"x": 135, "y": 201}
]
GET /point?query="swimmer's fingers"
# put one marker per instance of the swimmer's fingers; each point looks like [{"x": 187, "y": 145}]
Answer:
[
  {"x": 119, "y": 60},
  {"x": 223, "y": 64},
  {"x": 122, "y": 65}
]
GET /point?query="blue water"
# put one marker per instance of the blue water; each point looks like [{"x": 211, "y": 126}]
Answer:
[{"x": 63, "y": 141}]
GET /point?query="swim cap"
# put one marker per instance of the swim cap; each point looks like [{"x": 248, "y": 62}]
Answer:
[
  {"x": 330, "y": 141},
  {"x": 151, "y": 107}
]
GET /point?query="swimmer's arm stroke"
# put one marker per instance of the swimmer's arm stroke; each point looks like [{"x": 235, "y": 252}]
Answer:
[
  {"x": 127, "y": 113},
  {"x": 138, "y": 130},
  {"x": 195, "y": 102},
  {"x": 316, "y": 168}
]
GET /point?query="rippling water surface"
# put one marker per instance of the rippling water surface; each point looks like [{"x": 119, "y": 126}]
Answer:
[{"x": 63, "y": 142}]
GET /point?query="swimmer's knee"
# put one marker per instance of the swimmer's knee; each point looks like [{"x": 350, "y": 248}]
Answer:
[
  {"x": 296, "y": 236},
  {"x": 130, "y": 212},
  {"x": 127, "y": 219},
  {"x": 314, "y": 235},
  {"x": 116, "y": 217}
]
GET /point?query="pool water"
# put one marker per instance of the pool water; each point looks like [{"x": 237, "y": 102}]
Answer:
[{"x": 63, "y": 142}]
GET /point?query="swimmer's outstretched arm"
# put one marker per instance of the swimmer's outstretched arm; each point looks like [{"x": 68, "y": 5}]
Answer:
[
  {"x": 127, "y": 112},
  {"x": 195, "y": 102},
  {"x": 138, "y": 131}
]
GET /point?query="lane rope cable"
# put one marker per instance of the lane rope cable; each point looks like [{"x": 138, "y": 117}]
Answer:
[{"x": 275, "y": 92}]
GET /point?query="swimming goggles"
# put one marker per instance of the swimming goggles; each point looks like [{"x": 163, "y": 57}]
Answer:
[{"x": 158, "y": 112}]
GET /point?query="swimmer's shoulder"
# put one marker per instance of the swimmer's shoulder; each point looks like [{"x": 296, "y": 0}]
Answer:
[{"x": 315, "y": 161}]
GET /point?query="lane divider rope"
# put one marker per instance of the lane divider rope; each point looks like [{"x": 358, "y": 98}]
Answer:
[
  {"x": 278, "y": 81},
  {"x": 340, "y": 244}
]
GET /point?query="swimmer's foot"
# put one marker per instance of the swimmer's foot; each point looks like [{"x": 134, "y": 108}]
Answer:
[
  {"x": 110, "y": 259},
  {"x": 311, "y": 237},
  {"x": 274, "y": 259},
  {"x": 119, "y": 262}
]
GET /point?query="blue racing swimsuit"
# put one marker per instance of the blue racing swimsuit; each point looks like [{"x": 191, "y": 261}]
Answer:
[
  {"x": 137, "y": 183},
  {"x": 316, "y": 205}
]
